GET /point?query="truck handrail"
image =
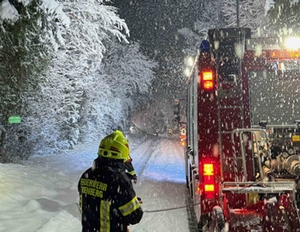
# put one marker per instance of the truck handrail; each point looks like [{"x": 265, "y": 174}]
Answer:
[
  {"x": 259, "y": 187},
  {"x": 277, "y": 126},
  {"x": 240, "y": 131}
]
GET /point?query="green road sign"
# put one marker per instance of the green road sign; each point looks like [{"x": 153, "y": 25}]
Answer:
[{"x": 14, "y": 119}]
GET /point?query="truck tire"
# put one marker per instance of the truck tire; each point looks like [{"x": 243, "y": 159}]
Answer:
[
  {"x": 218, "y": 219},
  {"x": 213, "y": 223}
]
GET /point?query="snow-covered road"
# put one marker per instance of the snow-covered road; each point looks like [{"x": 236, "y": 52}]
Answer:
[
  {"x": 41, "y": 194},
  {"x": 160, "y": 166}
]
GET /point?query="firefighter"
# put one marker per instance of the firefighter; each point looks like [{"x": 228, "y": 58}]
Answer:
[{"x": 107, "y": 199}]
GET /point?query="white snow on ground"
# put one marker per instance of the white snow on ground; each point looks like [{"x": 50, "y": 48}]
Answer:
[
  {"x": 161, "y": 185},
  {"x": 41, "y": 194}
]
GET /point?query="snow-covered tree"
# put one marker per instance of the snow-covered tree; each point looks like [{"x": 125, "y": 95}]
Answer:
[
  {"x": 86, "y": 97},
  {"x": 125, "y": 73},
  {"x": 252, "y": 14},
  {"x": 29, "y": 32},
  {"x": 209, "y": 16},
  {"x": 285, "y": 17},
  {"x": 74, "y": 66},
  {"x": 61, "y": 102},
  {"x": 128, "y": 70}
]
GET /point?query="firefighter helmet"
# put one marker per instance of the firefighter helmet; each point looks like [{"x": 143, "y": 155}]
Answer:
[
  {"x": 114, "y": 146},
  {"x": 119, "y": 132}
]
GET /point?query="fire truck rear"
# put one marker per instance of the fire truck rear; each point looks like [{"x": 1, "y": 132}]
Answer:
[{"x": 243, "y": 152}]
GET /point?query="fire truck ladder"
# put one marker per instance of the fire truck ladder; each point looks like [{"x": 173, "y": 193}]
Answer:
[{"x": 230, "y": 100}]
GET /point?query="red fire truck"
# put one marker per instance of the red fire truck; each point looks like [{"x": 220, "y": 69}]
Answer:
[{"x": 242, "y": 174}]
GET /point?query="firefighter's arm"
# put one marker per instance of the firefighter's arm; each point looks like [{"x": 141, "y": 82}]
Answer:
[
  {"x": 132, "y": 175},
  {"x": 132, "y": 211},
  {"x": 130, "y": 170},
  {"x": 129, "y": 165},
  {"x": 130, "y": 207}
]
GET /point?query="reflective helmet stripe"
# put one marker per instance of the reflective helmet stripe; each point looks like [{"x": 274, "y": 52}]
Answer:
[{"x": 114, "y": 149}]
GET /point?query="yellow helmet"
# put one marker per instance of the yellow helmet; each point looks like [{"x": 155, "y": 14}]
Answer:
[
  {"x": 119, "y": 132},
  {"x": 114, "y": 146}
]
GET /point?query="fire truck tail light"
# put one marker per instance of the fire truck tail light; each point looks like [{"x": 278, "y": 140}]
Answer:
[
  {"x": 207, "y": 80},
  {"x": 208, "y": 170},
  {"x": 209, "y": 191},
  {"x": 209, "y": 188},
  {"x": 208, "y": 85},
  {"x": 207, "y": 185},
  {"x": 207, "y": 76}
]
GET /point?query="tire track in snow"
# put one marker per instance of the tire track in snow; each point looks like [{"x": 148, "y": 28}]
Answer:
[
  {"x": 142, "y": 154},
  {"x": 162, "y": 160}
]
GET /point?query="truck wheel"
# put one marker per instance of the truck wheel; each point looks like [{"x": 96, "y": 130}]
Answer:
[{"x": 218, "y": 219}]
